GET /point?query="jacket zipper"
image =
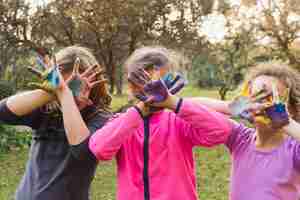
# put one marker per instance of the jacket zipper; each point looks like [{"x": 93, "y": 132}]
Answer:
[{"x": 146, "y": 159}]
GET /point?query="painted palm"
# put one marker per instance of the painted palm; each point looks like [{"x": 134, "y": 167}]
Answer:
[
  {"x": 277, "y": 112},
  {"x": 48, "y": 74},
  {"x": 156, "y": 91},
  {"x": 264, "y": 107}
]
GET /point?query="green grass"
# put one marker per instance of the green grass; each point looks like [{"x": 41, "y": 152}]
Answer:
[{"x": 213, "y": 166}]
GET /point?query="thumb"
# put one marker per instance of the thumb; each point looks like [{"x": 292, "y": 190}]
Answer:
[{"x": 90, "y": 102}]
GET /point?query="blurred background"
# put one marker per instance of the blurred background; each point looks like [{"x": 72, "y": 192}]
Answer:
[{"x": 215, "y": 41}]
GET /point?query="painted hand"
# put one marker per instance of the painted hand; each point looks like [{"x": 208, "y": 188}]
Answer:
[
  {"x": 246, "y": 106},
  {"x": 82, "y": 84},
  {"x": 151, "y": 92},
  {"x": 174, "y": 84},
  {"x": 49, "y": 76},
  {"x": 277, "y": 112}
]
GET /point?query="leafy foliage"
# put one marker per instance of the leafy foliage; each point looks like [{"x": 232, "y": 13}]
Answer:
[
  {"x": 11, "y": 138},
  {"x": 6, "y": 89},
  {"x": 204, "y": 74}
]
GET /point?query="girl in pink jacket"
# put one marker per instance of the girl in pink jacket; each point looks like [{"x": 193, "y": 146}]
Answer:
[{"x": 154, "y": 147}]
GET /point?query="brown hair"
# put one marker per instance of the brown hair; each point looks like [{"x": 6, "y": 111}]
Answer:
[
  {"x": 287, "y": 75},
  {"x": 99, "y": 94}
]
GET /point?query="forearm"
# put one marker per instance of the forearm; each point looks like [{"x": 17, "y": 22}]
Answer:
[
  {"x": 214, "y": 104},
  {"x": 292, "y": 129},
  {"x": 204, "y": 126},
  {"x": 76, "y": 129},
  {"x": 26, "y": 102}
]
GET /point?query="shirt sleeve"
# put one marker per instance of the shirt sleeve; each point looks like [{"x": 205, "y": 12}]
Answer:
[
  {"x": 296, "y": 156},
  {"x": 239, "y": 136},
  {"x": 107, "y": 141},
  {"x": 201, "y": 125},
  {"x": 9, "y": 118},
  {"x": 81, "y": 151}
]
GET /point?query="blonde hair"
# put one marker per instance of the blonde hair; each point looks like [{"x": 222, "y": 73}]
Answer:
[{"x": 287, "y": 75}]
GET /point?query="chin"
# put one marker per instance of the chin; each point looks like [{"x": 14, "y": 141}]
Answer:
[{"x": 263, "y": 126}]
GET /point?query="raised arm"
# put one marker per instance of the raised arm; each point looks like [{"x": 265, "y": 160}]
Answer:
[
  {"x": 214, "y": 104},
  {"x": 24, "y": 108},
  {"x": 76, "y": 129},
  {"x": 26, "y": 102},
  {"x": 202, "y": 125},
  {"x": 107, "y": 141}
]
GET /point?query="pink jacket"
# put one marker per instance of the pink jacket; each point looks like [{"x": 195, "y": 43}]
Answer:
[{"x": 155, "y": 154}]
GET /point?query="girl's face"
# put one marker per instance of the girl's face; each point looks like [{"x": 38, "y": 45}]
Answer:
[{"x": 267, "y": 82}]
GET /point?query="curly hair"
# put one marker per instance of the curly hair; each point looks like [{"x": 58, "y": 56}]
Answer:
[{"x": 287, "y": 75}]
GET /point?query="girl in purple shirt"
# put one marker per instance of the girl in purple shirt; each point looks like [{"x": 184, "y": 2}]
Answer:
[{"x": 266, "y": 158}]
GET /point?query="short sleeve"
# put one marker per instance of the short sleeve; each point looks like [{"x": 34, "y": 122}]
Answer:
[
  {"x": 296, "y": 156},
  {"x": 240, "y": 136},
  {"x": 8, "y": 117},
  {"x": 82, "y": 151},
  {"x": 98, "y": 122}
]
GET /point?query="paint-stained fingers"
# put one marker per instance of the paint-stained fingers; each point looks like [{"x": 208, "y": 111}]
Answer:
[
  {"x": 140, "y": 96},
  {"x": 136, "y": 80},
  {"x": 89, "y": 71},
  {"x": 150, "y": 100},
  {"x": 76, "y": 66},
  {"x": 93, "y": 84},
  {"x": 94, "y": 75},
  {"x": 47, "y": 61},
  {"x": 35, "y": 71},
  {"x": 177, "y": 88},
  {"x": 275, "y": 93},
  {"x": 139, "y": 76},
  {"x": 260, "y": 97},
  {"x": 135, "y": 83},
  {"x": 258, "y": 93},
  {"x": 144, "y": 74}
]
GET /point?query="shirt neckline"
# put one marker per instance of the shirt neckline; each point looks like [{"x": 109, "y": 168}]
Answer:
[{"x": 266, "y": 152}]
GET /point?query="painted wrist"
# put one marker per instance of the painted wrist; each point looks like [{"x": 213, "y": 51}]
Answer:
[{"x": 172, "y": 102}]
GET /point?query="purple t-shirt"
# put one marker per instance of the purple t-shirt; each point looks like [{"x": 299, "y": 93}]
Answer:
[{"x": 260, "y": 175}]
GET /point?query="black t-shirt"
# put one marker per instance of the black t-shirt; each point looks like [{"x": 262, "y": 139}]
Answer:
[{"x": 52, "y": 171}]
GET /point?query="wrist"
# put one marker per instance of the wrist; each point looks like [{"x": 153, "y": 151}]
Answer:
[
  {"x": 143, "y": 108},
  {"x": 49, "y": 96},
  {"x": 172, "y": 102},
  {"x": 63, "y": 92}
]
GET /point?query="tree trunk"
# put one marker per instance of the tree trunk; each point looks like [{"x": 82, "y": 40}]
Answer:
[
  {"x": 111, "y": 81},
  {"x": 119, "y": 87},
  {"x": 119, "y": 84},
  {"x": 112, "y": 73},
  {"x": 223, "y": 91}
]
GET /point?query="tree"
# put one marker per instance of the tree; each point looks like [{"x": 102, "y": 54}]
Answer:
[
  {"x": 282, "y": 26},
  {"x": 14, "y": 28},
  {"x": 113, "y": 29},
  {"x": 231, "y": 51}
]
